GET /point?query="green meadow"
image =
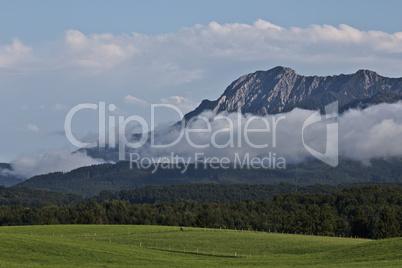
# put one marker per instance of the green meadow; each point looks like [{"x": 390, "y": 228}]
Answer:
[{"x": 163, "y": 246}]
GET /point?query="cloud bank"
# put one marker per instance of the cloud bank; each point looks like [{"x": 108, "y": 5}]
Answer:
[
  {"x": 28, "y": 166},
  {"x": 185, "y": 55},
  {"x": 365, "y": 134},
  {"x": 362, "y": 135}
]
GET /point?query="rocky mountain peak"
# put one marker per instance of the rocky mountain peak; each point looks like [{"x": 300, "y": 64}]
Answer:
[
  {"x": 281, "y": 69},
  {"x": 367, "y": 74},
  {"x": 281, "y": 89}
]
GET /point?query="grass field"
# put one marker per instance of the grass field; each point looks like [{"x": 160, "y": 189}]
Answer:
[{"x": 128, "y": 245}]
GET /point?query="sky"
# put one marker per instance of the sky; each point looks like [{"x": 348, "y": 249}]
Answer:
[{"x": 55, "y": 55}]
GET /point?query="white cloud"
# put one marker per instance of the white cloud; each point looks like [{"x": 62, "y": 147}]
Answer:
[
  {"x": 32, "y": 127},
  {"x": 135, "y": 101},
  {"x": 60, "y": 107},
  {"x": 14, "y": 53},
  {"x": 184, "y": 104},
  {"x": 363, "y": 135},
  {"x": 191, "y": 53},
  {"x": 372, "y": 132},
  {"x": 97, "y": 50},
  {"x": 28, "y": 166}
]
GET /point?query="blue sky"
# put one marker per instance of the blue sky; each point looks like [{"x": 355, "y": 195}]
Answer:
[
  {"x": 57, "y": 54},
  {"x": 42, "y": 21}
]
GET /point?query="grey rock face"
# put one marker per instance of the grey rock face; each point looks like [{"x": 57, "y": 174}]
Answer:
[{"x": 282, "y": 89}]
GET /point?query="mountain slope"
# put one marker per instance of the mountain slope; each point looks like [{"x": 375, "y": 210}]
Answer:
[
  {"x": 89, "y": 181},
  {"x": 282, "y": 89}
]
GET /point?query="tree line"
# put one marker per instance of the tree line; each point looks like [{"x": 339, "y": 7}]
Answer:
[
  {"x": 367, "y": 212},
  {"x": 200, "y": 192}
]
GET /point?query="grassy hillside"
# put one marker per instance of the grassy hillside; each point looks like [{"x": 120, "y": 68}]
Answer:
[
  {"x": 90, "y": 181},
  {"x": 119, "y": 245}
]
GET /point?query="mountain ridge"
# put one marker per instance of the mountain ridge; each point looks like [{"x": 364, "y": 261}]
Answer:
[{"x": 281, "y": 89}]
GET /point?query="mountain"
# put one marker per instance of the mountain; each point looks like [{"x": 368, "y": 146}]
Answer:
[
  {"x": 264, "y": 92},
  {"x": 281, "y": 89},
  {"x": 90, "y": 181}
]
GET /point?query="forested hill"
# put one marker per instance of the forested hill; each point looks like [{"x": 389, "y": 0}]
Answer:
[
  {"x": 210, "y": 192},
  {"x": 26, "y": 197},
  {"x": 90, "y": 181}
]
